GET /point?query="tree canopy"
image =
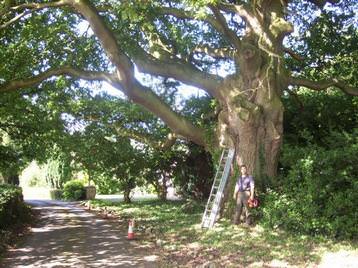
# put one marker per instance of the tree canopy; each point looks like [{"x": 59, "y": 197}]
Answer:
[{"x": 243, "y": 54}]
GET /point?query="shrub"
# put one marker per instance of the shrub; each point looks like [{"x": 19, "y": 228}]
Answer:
[
  {"x": 56, "y": 194},
  {"x": 13, "y": 210},
  {"x": 74, "y": 190},
  {"x": 193, "y": 173},
  {"x": 318, "y": 192}
]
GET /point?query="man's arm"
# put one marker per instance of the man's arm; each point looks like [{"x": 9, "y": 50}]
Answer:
[
  {"x": 252, "y": 188},
  {"x": 252, "y": 192}
]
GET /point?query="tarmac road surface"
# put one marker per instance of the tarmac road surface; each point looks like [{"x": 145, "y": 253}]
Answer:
[{"x": 69, "y": 236}]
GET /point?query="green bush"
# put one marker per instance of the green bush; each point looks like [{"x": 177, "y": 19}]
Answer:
[
  {"x": 13, "y": 210},
  {"x": 56, "y": 194},
  {"x": 74, "y": 190},
  {"x": 318, "y": 192}
]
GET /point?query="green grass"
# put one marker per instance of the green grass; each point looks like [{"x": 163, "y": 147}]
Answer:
[{"x": 182, "y": 241}]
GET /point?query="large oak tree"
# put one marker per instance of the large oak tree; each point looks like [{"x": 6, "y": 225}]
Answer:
[{"x": 186, "y": 41}]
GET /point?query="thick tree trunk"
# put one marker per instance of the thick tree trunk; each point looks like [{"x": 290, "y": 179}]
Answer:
[
  {"x": 252, "y": 122},
  {"x": 251, "y": 119}
]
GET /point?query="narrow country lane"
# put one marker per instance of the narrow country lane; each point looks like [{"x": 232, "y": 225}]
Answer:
[{"x": 69, "y": 236}]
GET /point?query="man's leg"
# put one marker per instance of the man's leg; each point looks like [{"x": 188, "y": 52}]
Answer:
[
  {"x": 246, "y": 196},
  {"x": 238, "y": 208}
]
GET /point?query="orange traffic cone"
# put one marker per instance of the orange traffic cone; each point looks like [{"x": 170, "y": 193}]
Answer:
[{"x": 131, "y": 229}]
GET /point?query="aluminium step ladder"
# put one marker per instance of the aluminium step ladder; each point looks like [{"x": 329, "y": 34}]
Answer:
[{"x": 217, "y": 191}]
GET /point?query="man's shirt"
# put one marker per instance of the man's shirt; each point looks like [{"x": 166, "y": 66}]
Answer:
[{"x": 245, "y": 183}]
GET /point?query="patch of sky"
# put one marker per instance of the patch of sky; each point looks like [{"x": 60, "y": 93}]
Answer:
[
  {"x": 109, "y": 89},
  {"x": 83, "y": 28},
  {"x": 349, "y": 6},
  {"x": 73, "y": 124},
  {"x": 302, "y": 14}
]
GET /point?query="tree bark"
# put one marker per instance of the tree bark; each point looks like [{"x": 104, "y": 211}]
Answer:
[
  {"x": 126, "y": 196},
  {"x": 163, "y": 189},
  {"x": 254, "y": 128},
  {"x": 251, "y": 119},
  {"x": 12, "y": 179}
]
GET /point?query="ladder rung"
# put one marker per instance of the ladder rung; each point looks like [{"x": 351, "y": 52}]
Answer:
[{"x": 220, "y": 179}]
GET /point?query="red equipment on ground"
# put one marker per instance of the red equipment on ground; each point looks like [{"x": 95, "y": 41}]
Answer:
[{"x": 253, "y": 203}]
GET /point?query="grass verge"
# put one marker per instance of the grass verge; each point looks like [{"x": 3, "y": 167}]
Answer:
[{"x": 174, "y": 227}]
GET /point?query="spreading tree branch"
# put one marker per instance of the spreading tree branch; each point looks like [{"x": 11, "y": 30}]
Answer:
[
  {"x": 125, "y": 68},
  {"x": 28, "y": 9},
  {"x": 177, "y": 123},
  {"x": 34, "y": 6},
  {"x": 181, "y": 14},
  {"x": 293, "y": 54},
  {"x": 138, "y": 93},
  {"x": 218, "y": 53},
  {"x": 178, "y": 69},
  {"x": 218, "y": 22},
  {"x": 124, "y": 79},
  {"x": 245, "y": 12},
  {"x": 18, "y": 17},
  {"x": 146, "y": 138},
  {"x": 324, "y": 84},
  {"x": 66, "y": 70},
  {"x": 40, "y": 5},
  {"x": 129, "y": 84},
  {"x": 228, "y": 33}
]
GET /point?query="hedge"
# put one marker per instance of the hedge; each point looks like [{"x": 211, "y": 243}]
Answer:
[
  {"x": 12, "y": 207},
  {"x": 74, "y": 190}
]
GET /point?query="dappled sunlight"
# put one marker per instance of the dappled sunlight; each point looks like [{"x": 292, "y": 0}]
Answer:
[
  {"x": 71, "y": 237},
  {"x": 342, "y": 258},
  {"x": 177, "y": 232},
  {"x": 254, "y": 246}
]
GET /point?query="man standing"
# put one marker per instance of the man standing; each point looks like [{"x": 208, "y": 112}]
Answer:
[{"x": 244, "y": 189}]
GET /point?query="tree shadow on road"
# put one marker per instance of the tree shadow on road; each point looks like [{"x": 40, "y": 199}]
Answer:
[{"x": 66, "y": 236}]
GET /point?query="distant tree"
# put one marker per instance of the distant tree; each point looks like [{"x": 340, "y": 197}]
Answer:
[
  {"x": 58, "y": 170},
  {"x": 122, "y": 168},
  {"x": 30, "y": 127},
  {"x": 158, "y": 170}
]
